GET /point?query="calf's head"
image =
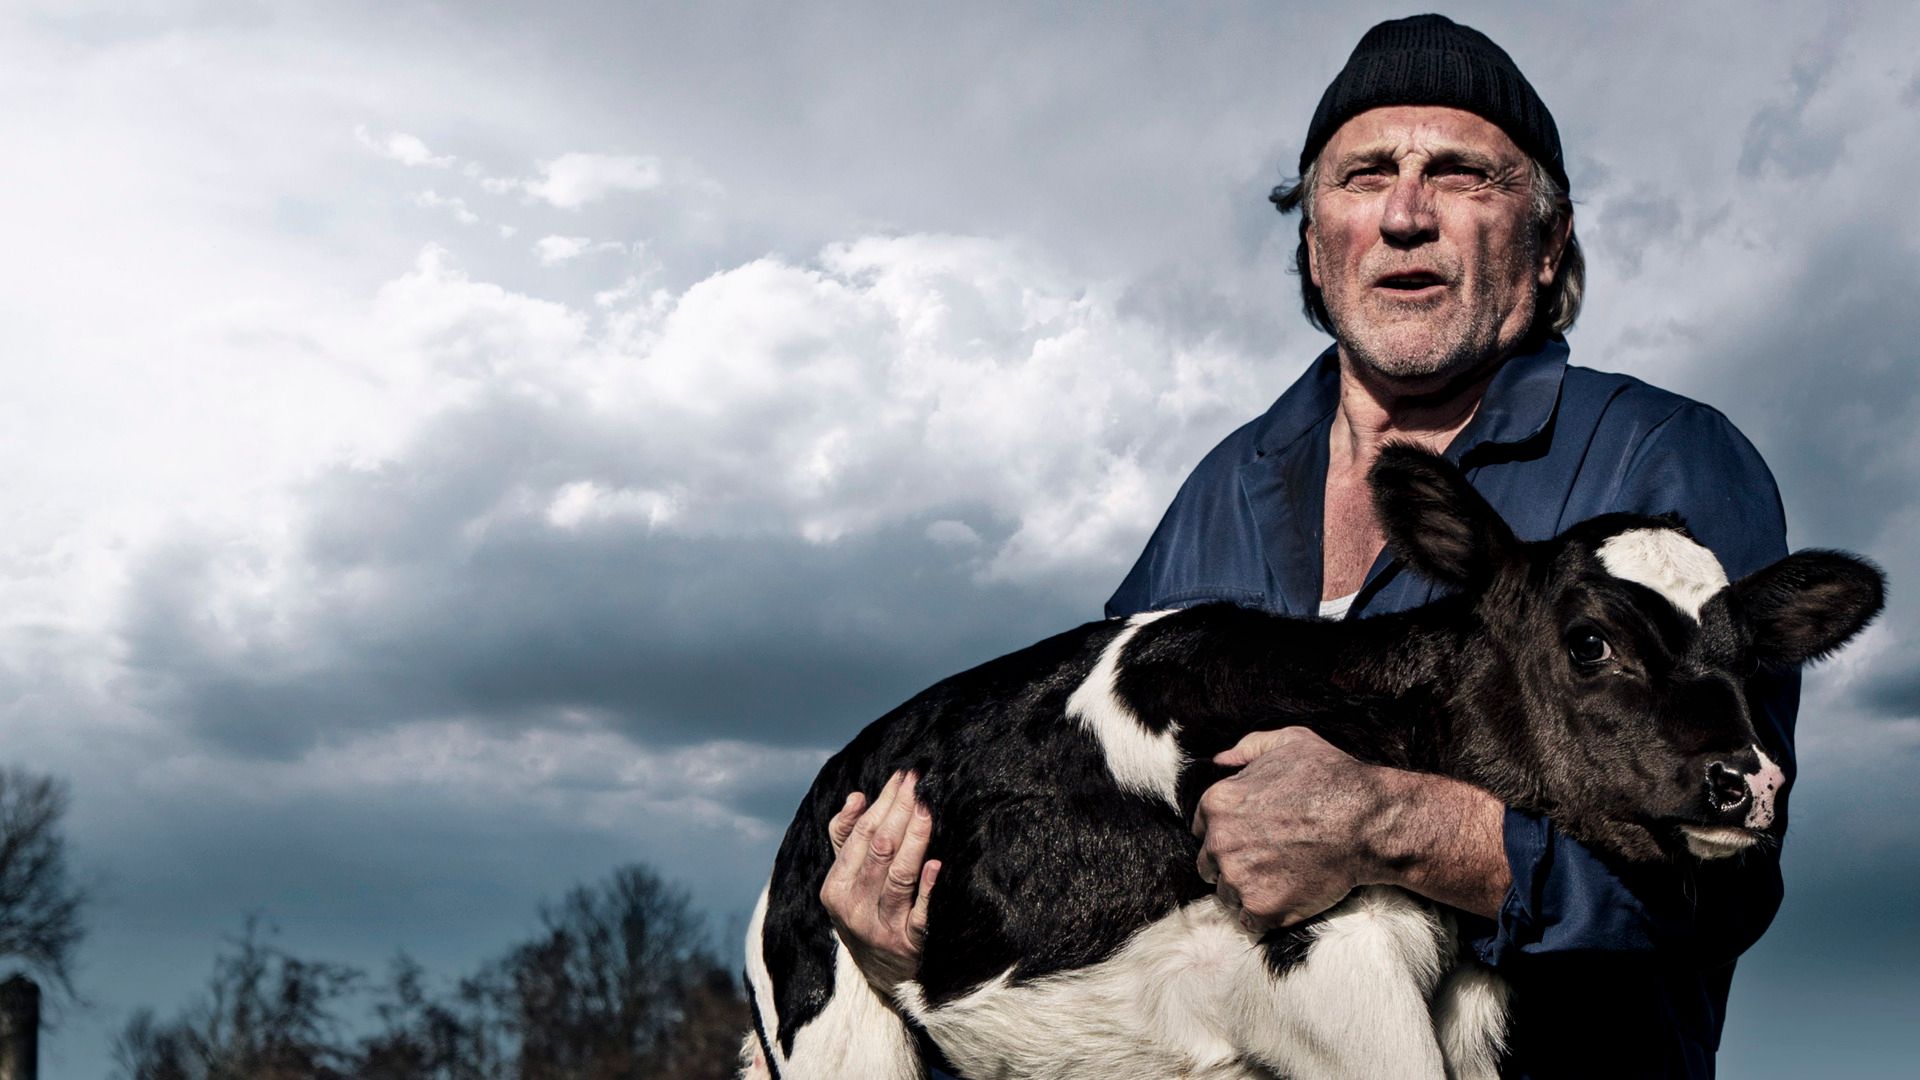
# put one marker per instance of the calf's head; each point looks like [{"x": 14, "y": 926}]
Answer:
[{"x": 1607, "y": 681}]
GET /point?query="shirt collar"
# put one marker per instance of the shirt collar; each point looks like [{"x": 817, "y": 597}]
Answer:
[
  {"x": 1519, "y": 402},
  {"x": 1517, "y": 406}
]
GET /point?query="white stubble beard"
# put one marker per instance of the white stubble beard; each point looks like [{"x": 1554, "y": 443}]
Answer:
[{"x": 1451, "y": 348}]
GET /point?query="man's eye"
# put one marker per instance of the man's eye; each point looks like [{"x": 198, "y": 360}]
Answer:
[{"x": 1588, "y": 649}]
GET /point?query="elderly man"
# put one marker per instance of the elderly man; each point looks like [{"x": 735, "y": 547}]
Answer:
[{"x": 1437, "y": 246}]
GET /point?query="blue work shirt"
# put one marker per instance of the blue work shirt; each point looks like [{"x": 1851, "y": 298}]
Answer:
[{"x": 1617, "y": 970}]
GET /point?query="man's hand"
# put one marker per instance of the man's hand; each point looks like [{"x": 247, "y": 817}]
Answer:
[
  {"x": 1303, "y": 823},
  {"x": 877, "y": 889}
]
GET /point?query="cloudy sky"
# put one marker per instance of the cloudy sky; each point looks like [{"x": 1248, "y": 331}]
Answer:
[{"x": 453, "y": 449}]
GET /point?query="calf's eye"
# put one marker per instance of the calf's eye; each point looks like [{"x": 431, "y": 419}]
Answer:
[{"x": 1588, "y": 648}]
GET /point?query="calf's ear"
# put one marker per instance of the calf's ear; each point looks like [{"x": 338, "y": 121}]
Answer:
[
  {"x": 1436, "y": 521},
  {"x": 1808, "y": 605}
]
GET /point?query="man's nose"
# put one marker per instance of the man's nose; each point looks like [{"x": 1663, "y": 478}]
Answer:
[{"x": 1408, "y": 216}]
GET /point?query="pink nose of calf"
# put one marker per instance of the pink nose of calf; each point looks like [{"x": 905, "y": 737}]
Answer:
[
  {"x": 1736, "y": 785},
  {"x": 1764, "y": 785}
]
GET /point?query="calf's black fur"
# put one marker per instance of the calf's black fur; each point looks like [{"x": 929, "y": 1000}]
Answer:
[{"x": 1547, "y": 678}]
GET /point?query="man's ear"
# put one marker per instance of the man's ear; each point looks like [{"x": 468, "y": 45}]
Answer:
[
  {"x": 1808, "y": 604},
  {"x": 1436, "y": 521},
  {"x": 1312, "y": 244},
  {"x": 1553, "y": 247}
]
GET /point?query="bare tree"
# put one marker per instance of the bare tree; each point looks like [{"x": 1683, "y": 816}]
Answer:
[
  {"x": 619, "y": 984},
  {"x": 39, "y": 906},
  {"x": 268, "y": 1016},
  {"x": 462, "y": 1036}
]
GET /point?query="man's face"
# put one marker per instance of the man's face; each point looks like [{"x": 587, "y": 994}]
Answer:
[{"x": 1422, "y": 241}]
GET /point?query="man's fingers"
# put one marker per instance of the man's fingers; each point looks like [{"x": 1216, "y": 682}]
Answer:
[
  {"x": 891, "y": 832},
  {"x": 904, "y": 874},
  {"x": 917, "y": 919},
  {"x": 871, "y": 820},
  {"x": 841, "y": 825},
  {"x": 851, "y": 861},
  {"x": 1209, "y": 870},
  {"x": 1251, "y": 746},
  {"x": 884, "y": 801}
]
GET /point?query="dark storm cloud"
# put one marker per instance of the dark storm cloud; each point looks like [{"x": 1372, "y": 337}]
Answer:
[
  {"x": 1779, "y": 137},
  {"x": 1630, "y": 224},
  {"x": 669, "y": 638},
  {"x": 1101, "y": 132},
  {"x": 1822, "y": 379},
  {"x": 1894, "y": 694},
  {"x": 1822, "y": 374}
]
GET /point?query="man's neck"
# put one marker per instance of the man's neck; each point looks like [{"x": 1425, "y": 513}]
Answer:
[{"x": 1375, "y": 409}]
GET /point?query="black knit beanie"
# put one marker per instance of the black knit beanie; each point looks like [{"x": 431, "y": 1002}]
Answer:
[{"x": 1432, "y": 60}]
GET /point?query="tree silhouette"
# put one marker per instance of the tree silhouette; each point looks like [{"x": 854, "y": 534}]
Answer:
[
  {"x": 605, "y": 990},
  {"x": 39, "y": 907},
  {"x": 619, "y": 982},
  {"x": 421, "y": 1038},
  {"x": 268, "y": 1016}
]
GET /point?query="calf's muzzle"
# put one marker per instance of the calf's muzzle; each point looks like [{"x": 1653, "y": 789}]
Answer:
[
  {"x": 1742, "y": 788},
  {"x": 1727, "y": 789}
]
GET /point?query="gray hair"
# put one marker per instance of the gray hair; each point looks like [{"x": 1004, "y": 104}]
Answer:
[{"x": 1555, "y": 308}]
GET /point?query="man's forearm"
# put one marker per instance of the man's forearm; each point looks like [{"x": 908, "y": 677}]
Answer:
[{"x": 1445, "y": 839}]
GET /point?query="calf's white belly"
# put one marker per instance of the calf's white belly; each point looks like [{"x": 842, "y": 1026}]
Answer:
[{"x": 1191, "y": 996}]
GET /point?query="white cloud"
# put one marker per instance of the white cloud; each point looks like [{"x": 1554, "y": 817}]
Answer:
[
  {"x": 889, "y": 385},
  {"x": 570, "y": 772},
  {"x": 892, "y": 380},
  {"x": 950, "y": 533},
  {"x": 584, "y": 501},
  {"x": 571, "y": 181},
  {"x": 406, "y": 149},
  {"x": 558, "y": 249},
  {"x": 446, "y": 331},
  {"x": 553, "y": 250},
  {"x": 899, "y": 375},
  {"x": 452, "y": 204}
]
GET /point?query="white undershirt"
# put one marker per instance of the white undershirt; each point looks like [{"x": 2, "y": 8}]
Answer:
[{"x": 1337, "y": 607}]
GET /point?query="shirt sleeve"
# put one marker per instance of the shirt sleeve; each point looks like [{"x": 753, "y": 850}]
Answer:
[
  {"x": 1564, "y": 898},
  {"x": 1206, "y": 547}
]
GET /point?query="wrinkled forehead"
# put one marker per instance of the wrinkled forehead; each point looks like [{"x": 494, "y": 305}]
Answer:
[{"x": 1667, "y": 561}]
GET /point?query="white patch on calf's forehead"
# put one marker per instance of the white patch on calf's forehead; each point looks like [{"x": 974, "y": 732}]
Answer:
[{"x": 1667, "y": 561}]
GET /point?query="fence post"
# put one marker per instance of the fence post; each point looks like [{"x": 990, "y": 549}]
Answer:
[{"x": 19, "y": 1029}]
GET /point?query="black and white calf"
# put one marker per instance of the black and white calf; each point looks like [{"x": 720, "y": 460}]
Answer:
[{"x": 1596, "y": 678}]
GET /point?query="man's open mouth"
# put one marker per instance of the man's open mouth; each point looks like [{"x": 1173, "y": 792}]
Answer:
[{"x": 1410, "y": 281}]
